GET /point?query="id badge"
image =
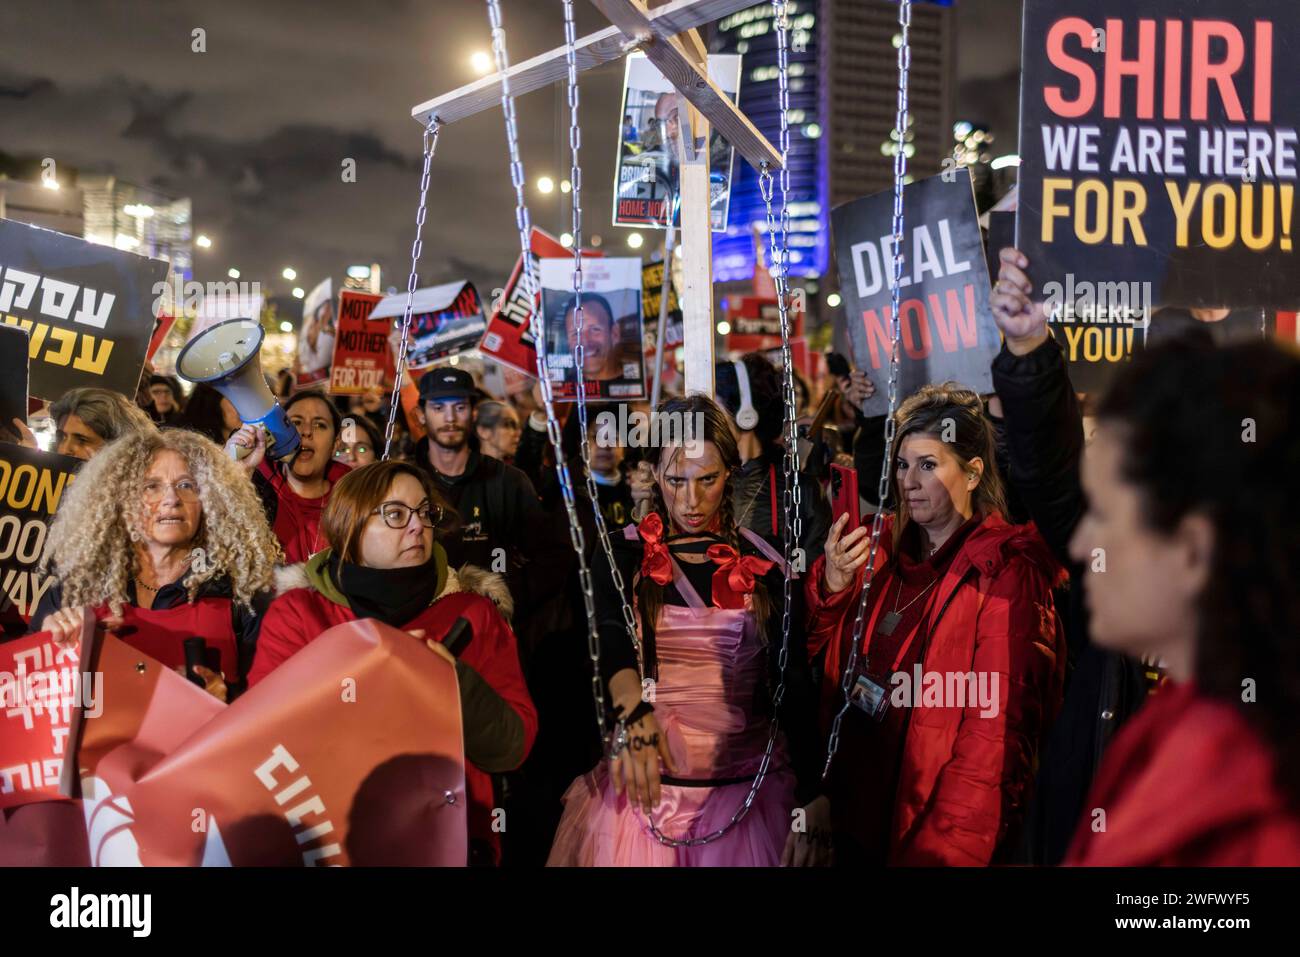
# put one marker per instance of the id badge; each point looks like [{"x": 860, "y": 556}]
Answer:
[{"x": 869, "y": 697}]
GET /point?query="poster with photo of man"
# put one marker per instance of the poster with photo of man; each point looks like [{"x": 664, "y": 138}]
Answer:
[
  {"x": 647, "y": 173},
  {"x": 316, "y": 338},
  {"x": 612, "y": 331}
]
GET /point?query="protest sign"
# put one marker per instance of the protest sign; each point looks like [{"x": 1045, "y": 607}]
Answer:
[
  {"x": 362, "y": 360},
  {"x": 349, "y": 753},
  {"x": 40, "y": 682},
  {"x": 509, "y": 336},
  {"x": 87, "y": 308},
  {"x": 947, "y": 329},
  {"x": 647, "y": 171},
  {"x": 756, "y": 324},
  {"x": 613, "y": 364},
  {"x": 31, "y": 485},
  {"x": 652, "y": 287},
  {"x": 13, "y": 379},
  {"x": 445, "y": 321},
  {"x": 162, "y": 326},
  {"x": 1158, "y": 145},
  {"x": 316, "y": 337}
]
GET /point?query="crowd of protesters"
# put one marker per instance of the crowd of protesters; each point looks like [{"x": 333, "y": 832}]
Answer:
[{"x": 1119, "y": 613}]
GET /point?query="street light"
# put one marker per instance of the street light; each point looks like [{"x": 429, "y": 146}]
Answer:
[
  {"x": 833, "y": 300},
  {"x": 286, "y": 326},
  {"x": 634, "y": 240},
  {"x": 232, "y": 272},
  {"x": 480, "y": 62},
  {"x": 545, "y": 184},
  {"x": 566, "y": 240},
  {"x": 297, "y": 292},
  {"x": 565, "y": 186},
  {"x": 290, "y": 273},
  {"x": 724, "y": 328},
  {"x": 203, "y": 242}
]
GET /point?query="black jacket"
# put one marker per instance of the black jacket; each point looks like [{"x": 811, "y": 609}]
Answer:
[
  {"x": 498, "y": 508},
  {"x": 751, "y": 491},
  {"x": 1044, "y": 439}
]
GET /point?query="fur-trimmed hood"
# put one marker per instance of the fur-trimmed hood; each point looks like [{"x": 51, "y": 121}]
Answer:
[{"x": 467, "y": 578}]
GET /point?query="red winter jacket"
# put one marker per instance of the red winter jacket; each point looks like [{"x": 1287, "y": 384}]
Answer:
[
  {"x": 965, "y": 779},
  {"x": 488, "y": 668},
  {"x": 1187, "y": 783}
]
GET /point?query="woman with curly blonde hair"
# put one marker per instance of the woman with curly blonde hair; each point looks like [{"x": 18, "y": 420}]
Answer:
[{"x": 163, "y": 538}]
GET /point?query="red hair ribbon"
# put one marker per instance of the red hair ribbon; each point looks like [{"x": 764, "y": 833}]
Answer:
[
  {"x": 656, "y": 564},
  {"x": 734, "y": 578}
]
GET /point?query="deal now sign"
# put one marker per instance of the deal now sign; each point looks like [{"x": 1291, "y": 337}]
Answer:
[{"x": 947, "y": 331}]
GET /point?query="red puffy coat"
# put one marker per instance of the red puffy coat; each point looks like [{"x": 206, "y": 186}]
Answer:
[
  {"x": 1187, "y": 783},
  {"x": 964, "y": 779},
  {"x": 299, "y": 616}
]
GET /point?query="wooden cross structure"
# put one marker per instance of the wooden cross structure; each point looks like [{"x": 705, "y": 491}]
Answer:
[{"x": 669, "y": 38}]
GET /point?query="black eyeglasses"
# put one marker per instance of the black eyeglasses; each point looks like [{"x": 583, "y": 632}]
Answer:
[{"x": 396, "y": 515}]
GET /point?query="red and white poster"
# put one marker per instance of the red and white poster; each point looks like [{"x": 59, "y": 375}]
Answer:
[
  {"x": 349, "y": 753},
  {"x": 756, "y": 324},
  {"x": 362, "y": 360},
  {"x": 508, "y": 338},
  {"x": 40, "y": 683}
]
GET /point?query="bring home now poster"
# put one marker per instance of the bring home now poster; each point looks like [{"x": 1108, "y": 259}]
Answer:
[
  {"x": 89, "y": 309},
  {"x": 947, "y": 330},
  {"x": 648, "y": 171},
  {"x": 1158, "y": 146},
  {"x": 509, "y": 335}
]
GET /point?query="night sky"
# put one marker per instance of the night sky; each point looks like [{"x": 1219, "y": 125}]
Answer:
[{"x": 255, "y": 129}]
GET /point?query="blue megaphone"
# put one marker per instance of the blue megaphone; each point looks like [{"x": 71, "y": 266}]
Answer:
[{"x": 224, "y": 356}]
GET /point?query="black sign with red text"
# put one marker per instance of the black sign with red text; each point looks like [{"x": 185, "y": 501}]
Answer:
[{"x": 947, "y": 330}]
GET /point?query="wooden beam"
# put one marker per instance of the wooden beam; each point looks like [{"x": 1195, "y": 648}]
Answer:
[
  {"x": 593, "y": 50},
  {"x": 681, "y": 68},
  {"x": 697, "y": 238}
]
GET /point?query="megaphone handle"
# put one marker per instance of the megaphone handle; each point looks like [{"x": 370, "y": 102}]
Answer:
[{"x": 239, "y": 452}]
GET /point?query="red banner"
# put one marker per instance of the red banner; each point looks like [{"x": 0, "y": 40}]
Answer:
[
  {"x": 362, "y": 360},
  {"x": 39, "y": 686},
  {"x": 756, "y": 324},
  {"x": 349, "y": 753}
]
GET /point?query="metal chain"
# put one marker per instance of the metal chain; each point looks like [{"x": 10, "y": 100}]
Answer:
[
  {"x": 529, "y": 278},
  {"x": 395, "y": 401},
  {"x": 579, "y": 351},
  {"x": 792, "y": 528},
  {"x": 882, "y": 489}
]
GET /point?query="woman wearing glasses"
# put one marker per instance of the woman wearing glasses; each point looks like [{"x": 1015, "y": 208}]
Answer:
[
  {"x": 383, "y": 561},
  {"x": 164, "y": 539}
]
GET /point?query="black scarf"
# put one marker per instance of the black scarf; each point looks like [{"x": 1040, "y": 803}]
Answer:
[{"x": 395, "y": 596}]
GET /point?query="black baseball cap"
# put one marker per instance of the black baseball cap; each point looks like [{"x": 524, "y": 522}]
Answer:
[{"x": 446, "y": 383}]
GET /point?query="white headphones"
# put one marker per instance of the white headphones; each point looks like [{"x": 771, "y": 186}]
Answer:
[{"x": 746, "y": 415}]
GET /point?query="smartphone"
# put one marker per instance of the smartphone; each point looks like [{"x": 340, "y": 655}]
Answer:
[{"x": 844, "y": 496}]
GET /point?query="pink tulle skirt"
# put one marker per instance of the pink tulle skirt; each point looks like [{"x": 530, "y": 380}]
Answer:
[{"x": 601, "y": 829}]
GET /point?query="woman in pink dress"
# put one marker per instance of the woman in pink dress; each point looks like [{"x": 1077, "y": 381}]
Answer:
[{"x": 690, "y": 695}]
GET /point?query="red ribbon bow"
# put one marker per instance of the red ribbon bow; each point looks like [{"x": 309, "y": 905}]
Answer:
[
  {"x": 734, "y": 578},
  {"x": 656, "y": 564}
]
